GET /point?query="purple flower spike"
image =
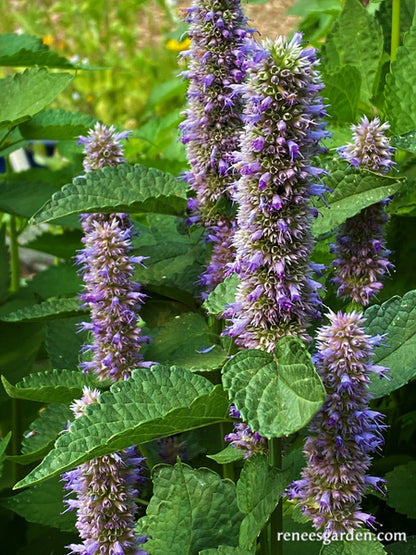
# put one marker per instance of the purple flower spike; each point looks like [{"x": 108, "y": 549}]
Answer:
[
  {"x": 108, "y": 269},
  {"x": 361, "y": 256},
  {"x": 244, "y": 438},
  {"x": 105, "y": 488},
  {"x": 344, "y": 432},
  {"x": 273, "y": 241},
  {"x": 217, "y": 29}
]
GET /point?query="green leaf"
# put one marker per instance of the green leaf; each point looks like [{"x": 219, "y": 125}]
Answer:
[
  {"x": 4, "y": 265},
  {"x": 62, "y": 245},
  {"x": 186, "y": 341},
  {"x": 396, "y": 319},
  {"x": 353, "y": 190},
  {"x": 225, "y": 550},
  {"x": 175, "y": 259},
  {"x": 275, "y": 394},
  {"x": 362, "y": 545},
  {"x": 357, "y": 39},
  {"x": 43, "y": 504},
  {"x": 208, "y": 514},
  {"x": 228, "y": 455},
  {"x": 406, "y": 547},
  {"x": 4, "y": 442},
  {"x": 384, "y": 16},
  {"x": 401, "y": 483},
  {"x": 258, "y": 494},
  {"x": 64, "y": 340},
  {"x": 406, "y": 141},
  {"x": 123, "y": 188},
  {"x": 24, "y": 198},
  {"x": 342, "y": 89},
  {"x": 26, "y": 50},
  {"x": 39, "y": 438},
  {"x": 57, "y": 125},
  {"x": 19, "y": 347},
  {"x": 25, "y": 94},
  {"x": 154, "y": 403},
  {"x": 50, "y": 309},
  {"x": 400, "y": 87},
  {"x": 56, "y": 386},
  {"x": 222, "y": 295}
]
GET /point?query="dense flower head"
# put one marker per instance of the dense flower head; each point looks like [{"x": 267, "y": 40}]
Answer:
[
  {"x": 370, "y": 148},
  {"x": 217, "y": 29},
  {"x": 344, "y": 433},
  {"x": 108, "y": 271},
  {"x": 244, "y": 438},
  {"x": 112, "y": 296},
  {"x": 361, "y": 256},
  {"x": 102, "y": 147},
  {"x": 105, "y": 489},
  {"x": 273, "y": 241}
]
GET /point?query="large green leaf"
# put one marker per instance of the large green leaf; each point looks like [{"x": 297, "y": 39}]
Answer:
[
  {"x": 56, "y": 386},
  {"x": 405, "y": 547},
  {"x": 222, "y": 295},
  {"x": 24, "y": 198},
  {"x": 175, "y": 260},
  {"x": 275, "y": 394},
  {"x": 225, "y": 550},
  {"x": 342, "y": 89},
  {"x": 356, "y": 38},
  {"x": 57, "y": 125},
  {"x": 123, "y": 188},
  {"x": 50, "y": 309},
  {"x": 401, "y": 483},
  {"x": 400, "y": 87},
  {"x": 406, "y": 141},
  {"x": 156, "y": 402},
  {"x": 43, "y": 504},
  {"x": 384, "y": 16},
  {"x": 190, "y": 510},
  {"x": 258, "y": 494},
  {"x": 64, "y": 341},
  {"x": 186, "y": 341},
  {"x": 26, "y": 50},
  {"x": 62, "y": 245},
  {"x": 353, "y": 190},
  {"x": 25, "y": 94},
  {"x": 396, "y": 319},
  {"x": 42, "y": 432},
  {"x": 361, "y": 545}
]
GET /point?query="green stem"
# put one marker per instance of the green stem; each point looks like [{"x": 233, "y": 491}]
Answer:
[
  {"x": 276, "y": 519},
  {"x": 395, "y": 29},
  {"x": 14, "y": 256},
  {"x": 227, "y": 469}
]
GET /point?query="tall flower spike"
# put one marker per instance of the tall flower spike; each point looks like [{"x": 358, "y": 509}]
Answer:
[
  {"x": 344, "y": 432},
  {"x": 213, "y": 120},
  {"x": 361, "y": 257},
  {"x": 108, "y": 270},
  {"x": 105, "y": 488},
  {"x": 277, "y": 295}
]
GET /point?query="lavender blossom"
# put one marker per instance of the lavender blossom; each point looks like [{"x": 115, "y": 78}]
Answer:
[
  {"x": 213, "y": 120},
  {"x": 244, "y": 438},
  {"x": 108, "y": 269},
  {"x": 105, "y": 489},
  {"x": 273, "y": 241},
  {"x": 344, "y": 432},
  {"x": 361, "y": 257}
]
